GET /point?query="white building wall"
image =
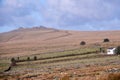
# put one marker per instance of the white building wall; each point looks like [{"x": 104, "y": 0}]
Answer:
[{"x": 111, "y": 51}]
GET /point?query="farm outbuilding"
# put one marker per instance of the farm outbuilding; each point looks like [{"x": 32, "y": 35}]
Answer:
[{"x": 111, "y": 51}]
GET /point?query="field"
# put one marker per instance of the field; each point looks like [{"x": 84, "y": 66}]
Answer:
[{"x": 59, "y": 55}]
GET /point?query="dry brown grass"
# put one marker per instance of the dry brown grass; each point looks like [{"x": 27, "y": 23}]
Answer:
[
  {"x": 36, "y": 41},
  {"x": 111, "y": 76},
  {"x": 65, "y": 78}
]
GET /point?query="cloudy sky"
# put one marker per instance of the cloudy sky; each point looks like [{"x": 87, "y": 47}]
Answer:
[{"x": 60, "y": 14}]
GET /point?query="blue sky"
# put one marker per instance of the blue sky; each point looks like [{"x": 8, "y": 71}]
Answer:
[{"x": 61, "y": 14}]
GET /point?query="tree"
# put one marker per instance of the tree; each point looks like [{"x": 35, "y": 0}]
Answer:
[
  {"x": 18, "y": 58},
  {"x": 28, "y": 58},
  {"x": 12, "y": 59},
  {"x": 117, "y": 50},
  {"x": 35, "y": 57},
  {"x": 13, "y": 62},
  {"x": 101, "y": 49},
  {"x": 82, "y": 43},
  {"x": 106, "y": 40}
]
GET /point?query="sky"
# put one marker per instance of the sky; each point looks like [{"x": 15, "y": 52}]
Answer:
[{"x": 83, "y": 15}]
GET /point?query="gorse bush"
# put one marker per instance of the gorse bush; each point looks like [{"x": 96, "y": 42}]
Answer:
[
  {"x": 28, "y": 58},
  {"x": 17, "y": 58},
  {"x": 117, "y": 50},
  {"x": 12, "y": 59},
  {"x": 82, "y": 43},
  {"x": 106, "y": 40},
  {"x": 13, "y": 62},
  {"x": 35, "y": 57}
]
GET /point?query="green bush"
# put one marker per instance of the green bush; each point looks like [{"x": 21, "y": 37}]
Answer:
[
  {"x": 18, "y": 58},
  {"x": 28, "y": 58},
  {"x": 13, "y": 62},
  {"x": 12, "y": 59},
  {"x": 106, "y": 40},
  {"x": 117, "y": 50},
  {"x": 35, "y": 57},
  {"x": 82, "y": 43}
]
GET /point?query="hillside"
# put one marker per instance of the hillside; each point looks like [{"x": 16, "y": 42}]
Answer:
[
  {"x": 38, "y": 40},
  {"x": 49, "y": 54}
]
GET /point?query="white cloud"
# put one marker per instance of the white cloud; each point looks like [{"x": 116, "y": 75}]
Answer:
[
  {"x": 18, "y": 12},
  {"x": 82, "y": 8},
  {"x": 80, "y": 12}
]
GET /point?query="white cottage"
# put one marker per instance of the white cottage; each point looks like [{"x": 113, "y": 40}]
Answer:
[{"x": 111, "y": 51}]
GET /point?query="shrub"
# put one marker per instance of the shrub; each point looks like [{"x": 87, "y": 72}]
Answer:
[
  {"x": 117, "y": 50},
  {"x": 12, "y": 59},
  {"x": 28, "y": 58},
  {"x": 82, "y": 43},
  {"x": 35, "y": 57},
  {"x": 106, "y": 40},
  {"x": 101, "y": 49},
  {"x": 13, "y": 62},
  {"x": 18, "y": 58}
]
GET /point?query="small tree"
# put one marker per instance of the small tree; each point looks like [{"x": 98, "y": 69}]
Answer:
[
  {"x": 106, "y": 40},
  {"x": 35, "y": 57},
  {"x": 117, "y": 50},
  {"x": 28, "y": 58},
  {"x": 101, "y": 49},
  {"x": 13, "y": 62},
  {"x": 18, "y": 58},
  {"x": 82, "y": 43}
]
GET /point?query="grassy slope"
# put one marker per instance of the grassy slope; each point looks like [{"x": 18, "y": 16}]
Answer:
[
  {"x": 53, "y": 45},
  {"x": 80, "y": 66},
  {"x": 36, "y": 41}
]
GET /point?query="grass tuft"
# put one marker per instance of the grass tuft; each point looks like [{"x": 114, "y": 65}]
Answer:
[{"x": 111, "y": 76}]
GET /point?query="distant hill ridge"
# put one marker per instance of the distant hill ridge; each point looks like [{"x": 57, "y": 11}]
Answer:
[
  {"x": 42, "y": 33},
  {"x": 35, "y": 27},
  {"x": 26, "y": 33},
  {"x": 41, "y": 39}
]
